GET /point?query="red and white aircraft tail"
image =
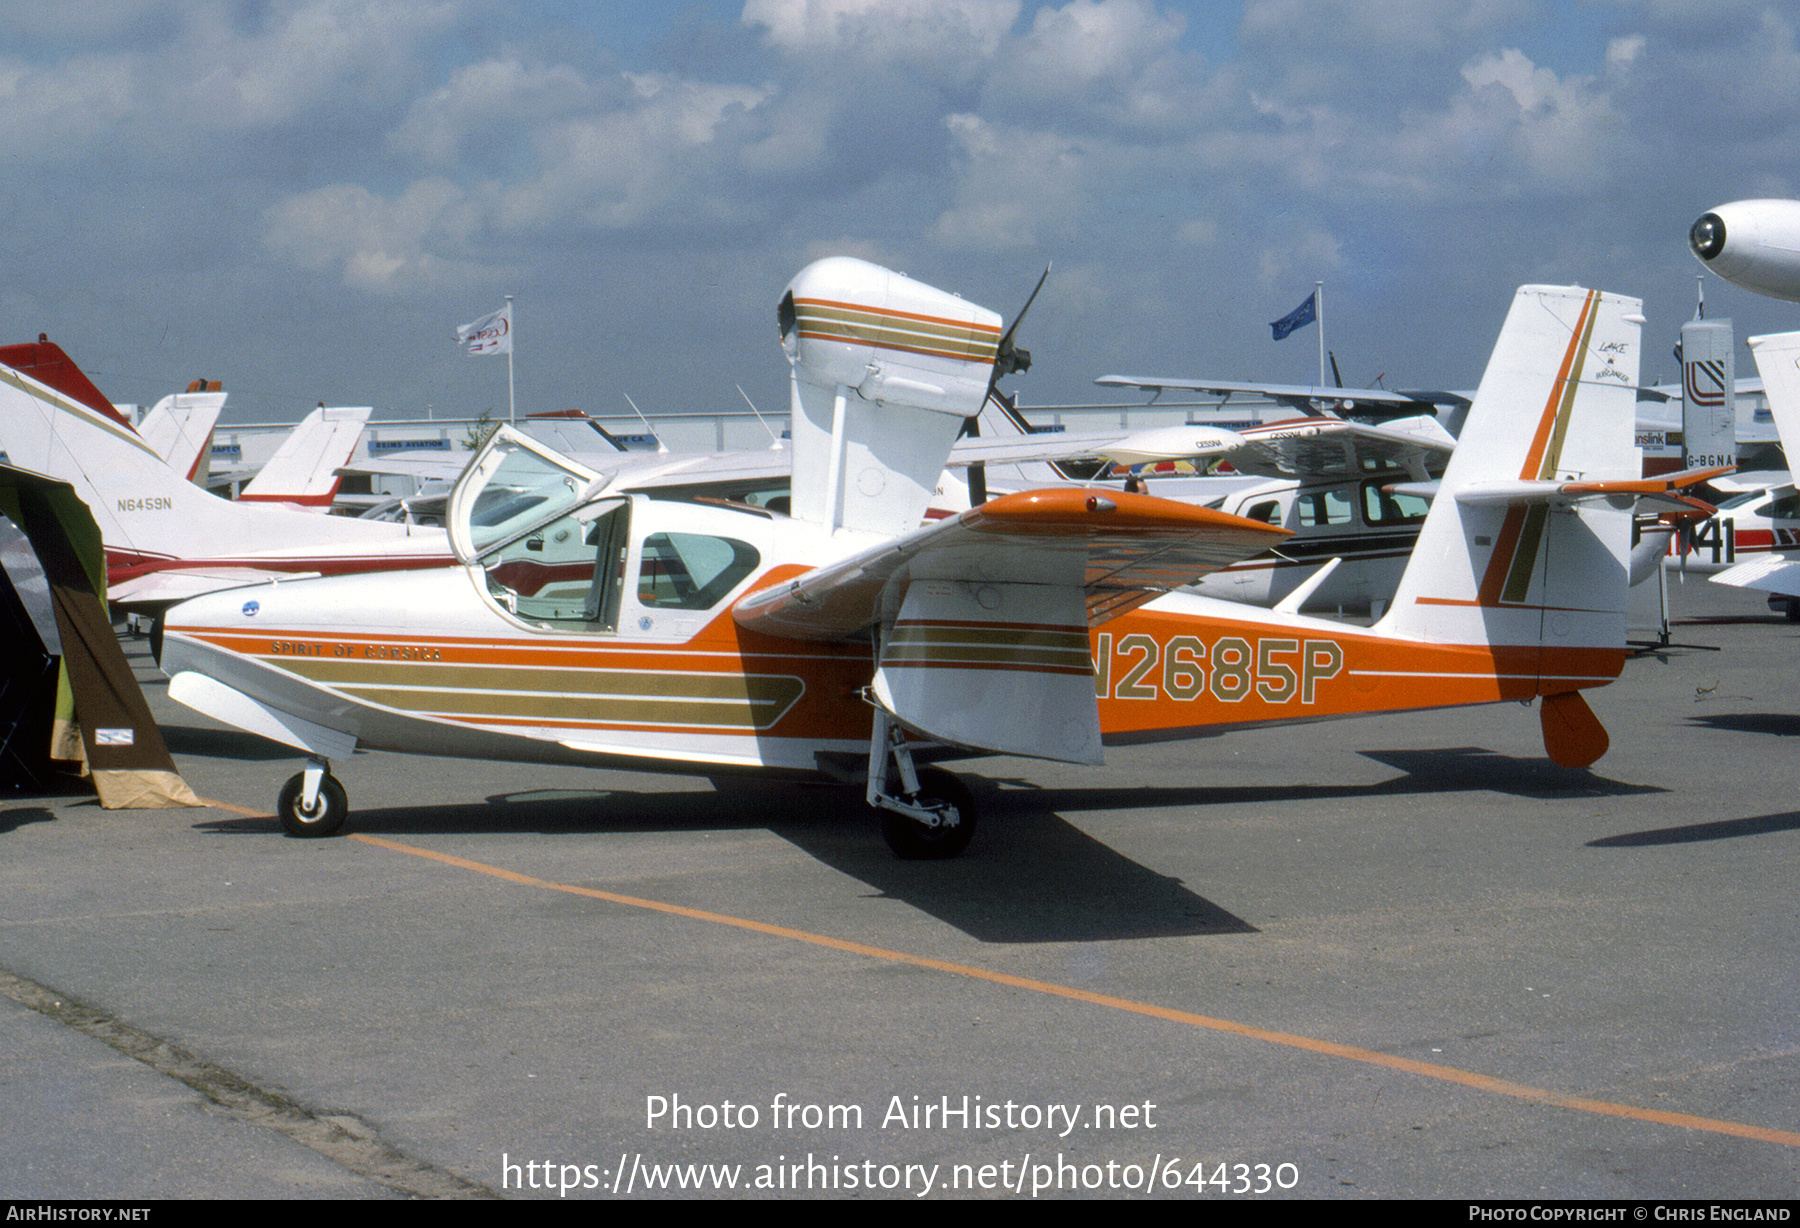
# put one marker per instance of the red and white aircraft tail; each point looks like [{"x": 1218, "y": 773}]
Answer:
[
  {"x": 303, "y": 473},
  {"x": 1523, "y": 537},
  {"x": 167, "y": 539}
]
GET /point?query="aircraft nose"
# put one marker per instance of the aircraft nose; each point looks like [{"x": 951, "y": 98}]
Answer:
[{"x": 1707, "y": 237}]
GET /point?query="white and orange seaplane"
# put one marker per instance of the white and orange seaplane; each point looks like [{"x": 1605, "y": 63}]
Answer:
[{"x": 582, "y": 625}]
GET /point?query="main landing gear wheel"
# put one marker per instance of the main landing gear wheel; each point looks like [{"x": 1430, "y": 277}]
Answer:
[
  {"x": 326, "y": 816},
  {"x": 916, "y": 840}
]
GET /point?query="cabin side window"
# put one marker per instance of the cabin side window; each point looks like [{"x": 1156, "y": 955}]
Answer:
[
  {"x": 1787, "y": 507},
  {"x": 1382, "y": 507},
  {"x": 692, "y": 571},
  {"x": 1324, "y": 507}
]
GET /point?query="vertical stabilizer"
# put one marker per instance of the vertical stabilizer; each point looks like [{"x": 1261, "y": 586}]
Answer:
[
  {"x": 150, "y": 516},
  {"x": 1708, "y": 395},
  {"x": 1778, "y": 362},
  {"x": 303, "y": 471},
  {"x": 180, "y": 428},
  {"x": 1519, "y": 552}
]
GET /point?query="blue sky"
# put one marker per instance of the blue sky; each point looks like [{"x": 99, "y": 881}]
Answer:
[{"x": 304, "y": 198}]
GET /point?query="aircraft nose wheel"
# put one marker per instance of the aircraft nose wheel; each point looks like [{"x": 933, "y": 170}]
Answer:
[
  {"x": 328, "y": 812},
  {"x": 915, "y": 840}
]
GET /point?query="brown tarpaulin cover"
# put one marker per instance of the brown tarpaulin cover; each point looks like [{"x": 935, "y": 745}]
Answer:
[{"x": 124, "y": 749}]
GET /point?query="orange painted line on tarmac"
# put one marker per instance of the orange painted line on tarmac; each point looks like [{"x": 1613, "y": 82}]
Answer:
[
  {"x": 1429, "y": 1070},
  {"x": 243, "y": 810}
]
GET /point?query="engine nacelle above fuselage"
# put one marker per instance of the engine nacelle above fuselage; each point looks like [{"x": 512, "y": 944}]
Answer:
[
  {"x": 885, "y": 372},
  {"x": 1754, "y": 244},
  {"x": 851, "y": 323}
]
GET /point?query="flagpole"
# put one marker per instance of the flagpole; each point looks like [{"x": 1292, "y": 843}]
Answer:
[
  {"x": 1319, "y": 310},
  {"x": 512, "y": 326}
]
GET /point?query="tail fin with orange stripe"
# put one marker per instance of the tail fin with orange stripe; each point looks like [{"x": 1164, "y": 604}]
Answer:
[{"x": 1526, "y": 543}]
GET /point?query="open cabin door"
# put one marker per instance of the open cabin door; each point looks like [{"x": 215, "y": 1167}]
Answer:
[{"x": 513, "y": 485}]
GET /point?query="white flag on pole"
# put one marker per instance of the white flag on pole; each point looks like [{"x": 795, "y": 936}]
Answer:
[{"x": 491, "y": 334}]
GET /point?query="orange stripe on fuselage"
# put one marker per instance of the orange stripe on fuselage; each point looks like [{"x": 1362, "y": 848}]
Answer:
[
  {"x": 1164, "y": 676},
  {"x": 1159, "y": 675}
]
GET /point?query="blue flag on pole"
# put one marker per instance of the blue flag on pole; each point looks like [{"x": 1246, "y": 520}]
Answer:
[{"x": 1298, "y": 318}]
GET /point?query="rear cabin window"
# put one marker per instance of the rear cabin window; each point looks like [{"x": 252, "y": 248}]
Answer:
[
  {"x": 1785, "y": 508},
  {"x": 692, "y": 571},
  {"x": 1384, "y": 507},
  {"x": 1324, "y": 507}
]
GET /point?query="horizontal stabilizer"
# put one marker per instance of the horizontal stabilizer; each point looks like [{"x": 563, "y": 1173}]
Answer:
[{"x": 1660, "y": 493}]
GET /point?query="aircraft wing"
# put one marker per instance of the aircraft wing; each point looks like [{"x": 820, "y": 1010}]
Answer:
[
  {"x": 1772, "y": 573},
  {"x": 1321, "y": 448},
  {"x": 1117, "y": 550},
  {"x": 1307, "y": 398},
  {"x": 1047, "y": 446},
  {"x": 1317, "y": 448},
  {"x": 160, "y": 588}
]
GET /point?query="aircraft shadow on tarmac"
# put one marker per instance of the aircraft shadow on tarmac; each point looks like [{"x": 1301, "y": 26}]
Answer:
[
  {"x": 1030, "y": 875},
  {"x": 17, "y": 817},
  {"x": 1778, "y": 724},
  {"x": 1701, "y": 833}
]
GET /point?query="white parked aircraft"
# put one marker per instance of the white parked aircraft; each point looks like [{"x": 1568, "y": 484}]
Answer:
[
  {"x": 167, "y": 539},
  {"x": 1760, "y": 537},
  {"x": 586, "y": 625},
  {"x": 1326, "y": 480}
]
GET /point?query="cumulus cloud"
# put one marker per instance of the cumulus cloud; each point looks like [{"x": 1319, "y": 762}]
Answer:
[
  {"x": 1389, "y": 30},
  {"x": 659, "y": 159},
  {"x": 1546, "y": 133},
  {"x": 1099, "y": 62},
  {"x": 932, "y": 34},
  {"x": 56, "y": 113},
  {"x": 400, "y": 146},
  {"x": 376, "y": 245},
  {"x": 1015, "y": 188},
  {"x": 490, "y": 102},
  {"x": 302, "y": 56}
]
